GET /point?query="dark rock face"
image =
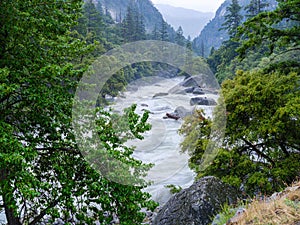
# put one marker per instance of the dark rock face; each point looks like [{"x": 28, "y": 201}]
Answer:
[
  {"x": 202, "y": 101},
  {"x": 197, "y": 204}
]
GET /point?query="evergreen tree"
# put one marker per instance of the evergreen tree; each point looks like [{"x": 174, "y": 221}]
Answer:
[
  {"x": 202, "y": 49},
  {"x": 164, "y": 35},
  {"x": 93, "y": 18},
  {"x": 155, "y": 35},
  {"x": 133, "y": 27},
  {"x": 233, "y": 18},
  {"x": 261, "y": 149},
  {"x": 255, "y": 7},
  {"x": 280, "y": 28},
  {"x": 189, "y": 44},
  {"x": 179, "y": 38}
]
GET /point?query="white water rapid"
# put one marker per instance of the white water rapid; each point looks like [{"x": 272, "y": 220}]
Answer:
[{"x": 161, "y": 145}]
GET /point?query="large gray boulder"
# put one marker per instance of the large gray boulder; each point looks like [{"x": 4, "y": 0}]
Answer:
[
  {"x": 193, "y": 81},
  {"x": 197, "y": 204},
  {"x": 202, "y": 101},
  {"x": 182, "y": 112}
]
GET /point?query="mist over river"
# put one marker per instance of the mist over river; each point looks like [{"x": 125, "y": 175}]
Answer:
[{"x": 161, "y": 144}]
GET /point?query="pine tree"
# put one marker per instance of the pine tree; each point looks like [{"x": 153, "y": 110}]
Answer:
[
  {"x": 255, "y": 7},
  {"x": 164, "y": 35},
  {"x": 133, "y": 27},
  {"x": 179, "y": 38},
  {"x": 94, "y": 21},
  {"x": 155, "y": 35},
  {"x": 233, "y": 18},
  {"x": 202, "y": 50}
]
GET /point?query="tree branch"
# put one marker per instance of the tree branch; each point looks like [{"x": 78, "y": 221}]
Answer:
[
  {"x": 43, "y": 213},
  {"x": 260, "y": 153}
]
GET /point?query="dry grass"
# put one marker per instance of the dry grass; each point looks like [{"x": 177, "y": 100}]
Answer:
[{"x": 284, "y": 210}]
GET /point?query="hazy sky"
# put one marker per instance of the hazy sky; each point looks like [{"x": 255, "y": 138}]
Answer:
[{"x": 200, "y": 5}]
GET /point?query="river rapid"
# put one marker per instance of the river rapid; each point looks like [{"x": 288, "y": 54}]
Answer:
[{"x": 161, "y": 145}]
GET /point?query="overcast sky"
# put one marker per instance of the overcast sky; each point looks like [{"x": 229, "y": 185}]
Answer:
[{"x": 200, "y": 5}]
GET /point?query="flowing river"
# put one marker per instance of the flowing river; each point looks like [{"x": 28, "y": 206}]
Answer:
[{"x": 161, "y": 145}]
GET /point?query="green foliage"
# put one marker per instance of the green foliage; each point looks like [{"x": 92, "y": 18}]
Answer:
[
  {"x": 221, "y": 60},
  {"x": 291, "y": 203},
  {"x": 279, "y": 29},
  {"x": 174, "y": 189},
  {"x": 227, "y": 212},
  {"x": 179, "y": 38},
  {"x": 43, "y": 175},
  {"x": 255, "y": 7},
  {"x": 233, "y": 18},
  {"x": 258, "y": 154},
  {"x": 133, "y": 28}
]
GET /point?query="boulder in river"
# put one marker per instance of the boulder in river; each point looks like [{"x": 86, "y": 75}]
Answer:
[
  {"x": 182, "y": 112},
  {"x": 202, "y": 101},
  {"x": 197, "y": 204},
  {"x": 193, "y": 81},
  {"x": 198, "y": 91},
  {"x": 189, "y": 90}
]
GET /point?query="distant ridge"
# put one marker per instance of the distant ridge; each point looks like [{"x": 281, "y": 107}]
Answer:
[{"x": 192, "y": 21}]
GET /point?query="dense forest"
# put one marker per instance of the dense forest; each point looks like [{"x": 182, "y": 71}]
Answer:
[{"x": 47, "y": 46}]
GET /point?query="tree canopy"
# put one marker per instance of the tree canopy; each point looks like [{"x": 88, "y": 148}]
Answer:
[
  {"x": 43, "y": 175},
  {"x": 260, "y": 87}
]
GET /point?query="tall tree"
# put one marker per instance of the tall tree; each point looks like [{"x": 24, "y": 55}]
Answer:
[
  {"x": 255, "y": 7},
  {"x": 155, "y": 35},
  {"x": 278, "y": 28},
  {"x": 164, "y": 35},
  {"x": 233, "y": 18},
  {"x": 179, "y": 38},
  {"x": 133, "y": 28}
]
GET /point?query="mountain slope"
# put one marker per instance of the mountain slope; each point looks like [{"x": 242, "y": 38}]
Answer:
[
  {"x": 211, "y": 35},
  {"x": 191, "y": 21},
  {"x": 117, "y": 9}
]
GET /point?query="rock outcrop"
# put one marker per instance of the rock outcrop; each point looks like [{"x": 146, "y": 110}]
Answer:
[{"x": 197, "y": 204}]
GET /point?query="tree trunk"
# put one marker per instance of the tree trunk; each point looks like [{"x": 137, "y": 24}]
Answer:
[{"x": 8, "y": 200}]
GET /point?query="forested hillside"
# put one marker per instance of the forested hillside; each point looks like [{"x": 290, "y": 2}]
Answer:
[
  {"x": 152, "y": 18},
  {"x": 212, "y": 34}
]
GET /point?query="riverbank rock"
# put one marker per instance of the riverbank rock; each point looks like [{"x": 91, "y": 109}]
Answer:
[
  {"x": 197, "y": 204},
  {"x": 202, "y": 101}
]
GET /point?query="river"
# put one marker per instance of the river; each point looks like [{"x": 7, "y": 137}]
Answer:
[{"x": 161, "y": 145}]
